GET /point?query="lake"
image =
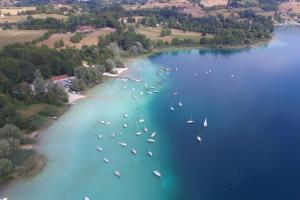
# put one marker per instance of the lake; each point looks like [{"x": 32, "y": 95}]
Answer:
[{"x": 250, "y": 149}]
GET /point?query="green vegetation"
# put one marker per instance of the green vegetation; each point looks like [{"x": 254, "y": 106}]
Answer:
[
  {"x": 165, "y": 32},
  {"x": 58, "y": 44}
]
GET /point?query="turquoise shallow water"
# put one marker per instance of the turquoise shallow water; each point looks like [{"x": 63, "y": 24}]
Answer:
[
  {"x": 75, "y": 169},
  {"x": 250, "y": 149}
]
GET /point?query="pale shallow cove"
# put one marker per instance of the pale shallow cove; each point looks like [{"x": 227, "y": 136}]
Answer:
[{"x": 76, "y": 169}]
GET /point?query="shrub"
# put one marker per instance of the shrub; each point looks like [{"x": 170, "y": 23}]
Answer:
[{"x": 76, "y": 38}]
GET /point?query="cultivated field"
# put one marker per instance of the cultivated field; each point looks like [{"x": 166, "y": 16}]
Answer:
[
  {"x": 18, "y": 18},
  {"x": 16, "y": 10},
  {"x": 13, "y": 36},
  {"x": 183, "y": 6},
  {"x": 89, "y": 39},
  {"x": 154, "y": 34},
  {"x": 290, "y": 7},
  {"x": 211, "y": 3}
]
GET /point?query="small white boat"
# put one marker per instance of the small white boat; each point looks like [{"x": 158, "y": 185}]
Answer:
[
  {"x": 152, "y": 87},
  {"x": 176, "y": 69},
  {"x": 150, "y": 153},
  {"x": 122, "y": 144},
  {"x": 175, "y": 93},
  {"x": 190, "y": 121},
  {"x": 108, "y": 123},
  {"x": 195, "y": 74},
  {"x": 145, "y": 129},
  {"x": 149, "y": 92},
  {"x": 124, "y": 87},
  {"x": 100, "y": 136},
  {"x": 180, "y": 103},
  {"x": 150, "y": 140},
  {"x": 205, "y": 122},
  {"x": 172, "y": 108},
  {"x": 153, "y": 134},
  {"x": 199, "y": 138},
  {"x": 146, "y": 85},
  {"x": 209, "y": 70},
  {"x": 141, "y": 93},
  {"x": 156, "y": 91},
  {"x": 85, "y": 198},
  {"x": 133, "y": 151},
  {"x": 117, "y": 173},
  {"x": 101, "y": 122},
  {"x": 138, "y": 133},
  {"x": 135, "y": 97},
  {"x": 141, "y": 120},
  {"x": 106, "y": 160},
  {"x": 125, "y": 125},
  {"x": 232, "y": 75},
  {"x": 125, "y": 115},
  {"x": 99, "y": 148},
  {"x": 157, "y": 173},
  {"x": 112, "y": 135}
]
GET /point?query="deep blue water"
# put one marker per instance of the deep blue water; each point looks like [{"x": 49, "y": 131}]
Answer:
[{"x": 251, "y": 148}]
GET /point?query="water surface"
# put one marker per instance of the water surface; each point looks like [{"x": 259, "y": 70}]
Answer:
[{"x": 250, "y": 149}]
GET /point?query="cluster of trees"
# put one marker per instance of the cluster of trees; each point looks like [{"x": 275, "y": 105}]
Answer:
[
  {"x": 76, "y": 37},
  {"x": 42, "y": 24},
  {"x": 165, "y": 32},
  {"x": 97, "y": 20},
  {"x": 128, "y": 40},
  {"x": 58, "y": 44}
]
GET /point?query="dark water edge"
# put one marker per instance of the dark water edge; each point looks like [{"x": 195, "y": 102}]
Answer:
[{"x": 251, "y": 148}]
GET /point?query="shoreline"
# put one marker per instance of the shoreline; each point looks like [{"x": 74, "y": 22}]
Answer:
[{"x": 41, "y": 161}]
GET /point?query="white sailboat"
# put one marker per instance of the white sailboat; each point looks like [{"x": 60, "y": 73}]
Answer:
[
  {"x": 117, "y": 173},
  {"x": 190, "y": 121},
  {"x": 106, "y": 160},
  {"x": 145, "y": 129},
  {"x": 199, "y": 138},
  {"x": 141, "y": 120},
  {"x": 133, "y": 151},
  {"x": 85, "y": 198},
  {"x": 156, "y": 173},
  {"x": 100, "y": 136},
  {"x": 153, "y": 134},
  {"x": 125, "y": 125},
  {"x": 123, "y": 144},
  {"x": 138, "y": 133},
  {"x": 172, "y": 108},
  {"x": 150, "y": 153},
  {"x": 150, "y": 140},
  {"x": 180, "y": 103},
  {"x": 125, "y": 115},
  {"x": 99, "y": 148},
  {"x": 205, "y": 122}
]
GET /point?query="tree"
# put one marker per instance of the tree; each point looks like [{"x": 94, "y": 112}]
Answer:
[
  {"x": 6, "y": 167},
  {"x": 39, "y": 83},
  {"x": 109, "y": 64},
  {"x": 77, "y": 85},
  {"x": 10, "y": 131},
  {"x": 5, "y": 148},
  {"x": 58, "y": 44},
  {"x": 165, "y": 32},
  {"x": 76, "y": 38}
]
